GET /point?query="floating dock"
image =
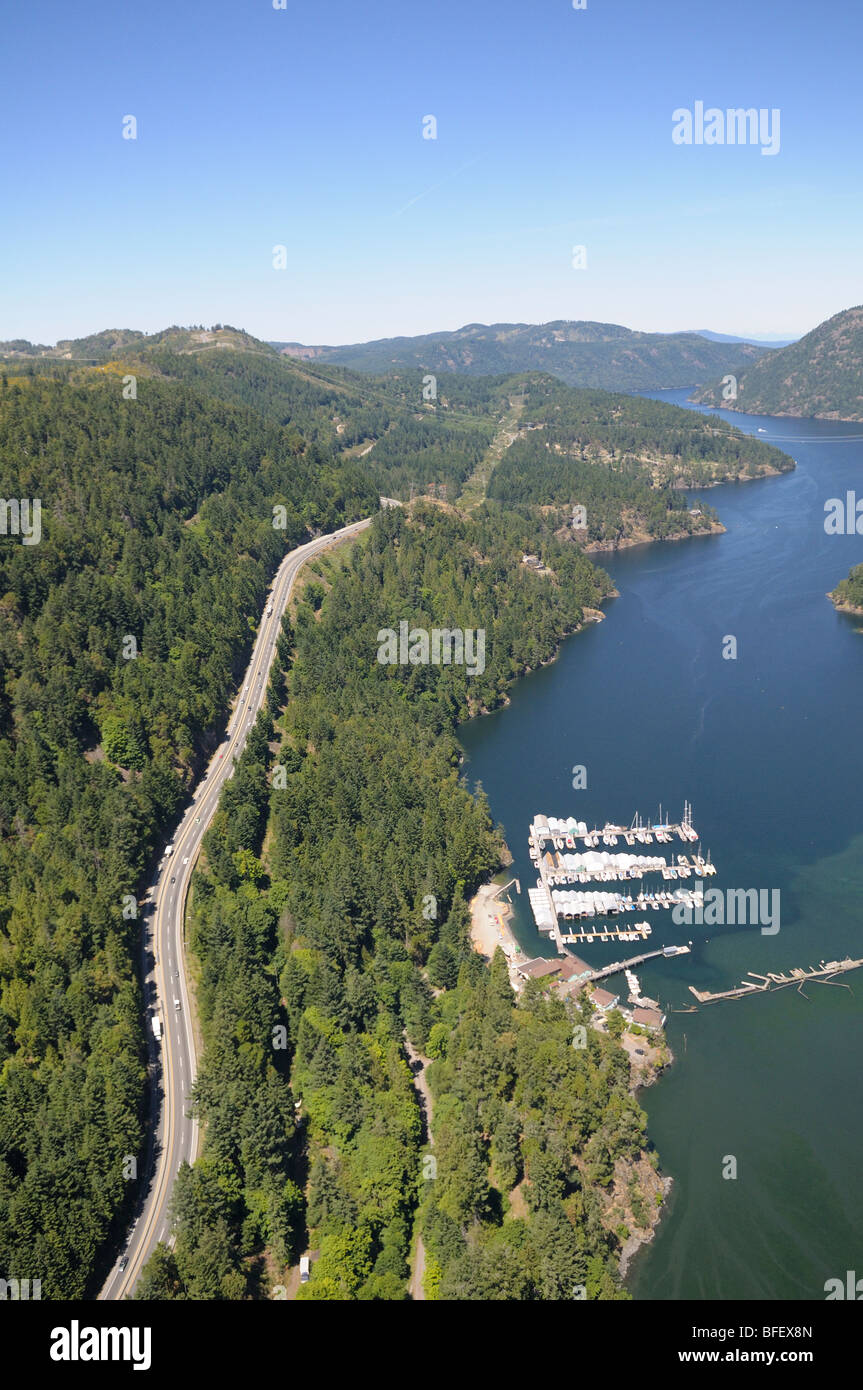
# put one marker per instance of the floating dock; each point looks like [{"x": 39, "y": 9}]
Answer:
[
  {"x": 769, "y": 982},
  {"x": 576, "y": 905},
  {"x": 568, "y": 832}
]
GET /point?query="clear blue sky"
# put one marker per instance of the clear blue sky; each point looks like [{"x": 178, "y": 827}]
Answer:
[{"x": 303, "y": 127}]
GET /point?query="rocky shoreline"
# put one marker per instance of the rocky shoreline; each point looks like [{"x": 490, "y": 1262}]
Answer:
[
  {"x": 608, "y": 547},
  {"x": 843, "y": 606}
]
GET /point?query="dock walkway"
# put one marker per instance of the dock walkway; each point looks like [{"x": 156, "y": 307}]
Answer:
[{"x": 772, "y": 981}]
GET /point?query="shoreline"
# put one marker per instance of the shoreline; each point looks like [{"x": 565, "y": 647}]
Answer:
[
  {"x": 843, "y": 606},
  {"x": 636, "y": 1240},
  {"x": 609, "y": 547},
  {"x": 589, "y": 617},
  {"x": 490, "y": 928},
  {"x": 831, "y": 418}
]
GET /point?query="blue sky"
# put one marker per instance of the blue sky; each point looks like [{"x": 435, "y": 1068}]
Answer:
[{"x": 303, "y": 127}]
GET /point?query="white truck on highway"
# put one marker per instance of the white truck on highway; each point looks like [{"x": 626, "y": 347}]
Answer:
[
  {"x": 169, "y": 849},
  {"x": 157, "y": 1028}
]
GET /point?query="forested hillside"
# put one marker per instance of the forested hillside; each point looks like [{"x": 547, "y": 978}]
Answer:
[
  {"x": 412, "y": 434},
  {"x": 121, "y": 632},
  {"x": 409, "y": 443},
  {"x": 624, "y": 459},
  {"x": 818, "y": 377},
  {"x": 603, "y": 355},
  {"x": 335, "y": 930},
  {"x": 529, "y": 1134}
]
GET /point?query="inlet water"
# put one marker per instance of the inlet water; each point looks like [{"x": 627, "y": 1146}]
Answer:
[{"x": 768, "y": 748}]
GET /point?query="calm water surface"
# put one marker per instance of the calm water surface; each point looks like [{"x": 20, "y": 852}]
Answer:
[{"x": 768, "y": 750}]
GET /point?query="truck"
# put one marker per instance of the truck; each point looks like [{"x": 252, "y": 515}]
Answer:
[
  {"x": 157, "y": 1028},
  {"x": 304, "y": 1269},
  {"x": 169, "y": 849}
]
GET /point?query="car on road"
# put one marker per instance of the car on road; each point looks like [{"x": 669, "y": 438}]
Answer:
[
  {"x": 304, "y": 1269},
  {"x": 186, "y": 860},
  {"x": 173, "y": 878},
  {"x": 124, "y": 1262},
  {"x": 197, "y": 819},
  {"x": 177, "y": 1005}
]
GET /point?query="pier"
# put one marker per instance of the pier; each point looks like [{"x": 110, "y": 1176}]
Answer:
[
  {"x": 620, "y": 967},
  {"x": 771, "y": 981}
]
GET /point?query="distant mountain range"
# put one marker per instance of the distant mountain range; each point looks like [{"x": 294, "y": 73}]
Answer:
[
  {"x": 819, "y": 377},
  {"x": 732, "y": 338},
  {"x": 603, "y": 355}
]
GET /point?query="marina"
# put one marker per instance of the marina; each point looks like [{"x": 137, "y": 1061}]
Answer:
[{"x": 559, "y": 865}]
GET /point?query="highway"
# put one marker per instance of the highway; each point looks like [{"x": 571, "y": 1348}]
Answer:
[{"x": 173, "y": 1061}]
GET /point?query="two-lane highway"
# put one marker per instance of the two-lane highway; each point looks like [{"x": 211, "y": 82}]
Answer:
[{"x": 166, "y": 991}]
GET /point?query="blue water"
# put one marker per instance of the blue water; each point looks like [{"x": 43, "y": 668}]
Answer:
[{"x": 768, "y": 750}]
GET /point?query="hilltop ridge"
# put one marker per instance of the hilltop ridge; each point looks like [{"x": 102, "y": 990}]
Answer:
[
  {"x": 582, "y": 353},
  {"x": 819, "y": 377}
]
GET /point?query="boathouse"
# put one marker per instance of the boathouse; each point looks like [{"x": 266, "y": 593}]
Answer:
[{"x": 648, "y": 1018}]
